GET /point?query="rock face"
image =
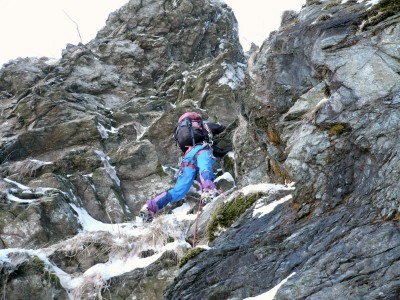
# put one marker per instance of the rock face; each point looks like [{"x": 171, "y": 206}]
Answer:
[
  {"x": 317, "y": 106},
  {"x": 116, "y": 100},
  {"x": 324, "y": 108}
]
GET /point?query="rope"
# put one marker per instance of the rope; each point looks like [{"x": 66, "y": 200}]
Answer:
[{"x": 195, "y": 225}]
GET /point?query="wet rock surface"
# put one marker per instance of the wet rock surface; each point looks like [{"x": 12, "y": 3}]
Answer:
[{"x": 314, "y": 112}]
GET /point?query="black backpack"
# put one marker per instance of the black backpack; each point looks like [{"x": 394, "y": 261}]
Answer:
[{"x": 191, "y": 131}]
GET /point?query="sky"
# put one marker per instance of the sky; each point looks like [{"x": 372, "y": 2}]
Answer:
[
  {"x": 44, "y": 27},
  {"x": 257, "y": 18}
]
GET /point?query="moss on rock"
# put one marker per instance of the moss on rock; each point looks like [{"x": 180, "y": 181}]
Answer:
[
  {"x": 323, "y": 17},
  {"x": 332, "y": 4},
  {"x": 383, "y": 10},
  {"x": 40, "y": 266},
  {"x": 337, "y": 129},
  {"x": 228, "y": 163},
  {"x": 388, "y": 6},
  {"x": 189, "y": 255},
  {"x": 227, "y": 213}
]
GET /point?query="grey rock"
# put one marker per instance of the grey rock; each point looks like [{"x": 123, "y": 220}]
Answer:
[
  {"x": 28, "y": 278},
  {"x": 317, "y": 105}
]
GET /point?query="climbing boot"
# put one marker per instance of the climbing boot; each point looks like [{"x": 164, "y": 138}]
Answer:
[{"x": 148, "y": 211}]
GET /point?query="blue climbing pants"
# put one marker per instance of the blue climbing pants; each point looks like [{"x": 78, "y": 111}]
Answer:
[{"x": 199, "y": 158}]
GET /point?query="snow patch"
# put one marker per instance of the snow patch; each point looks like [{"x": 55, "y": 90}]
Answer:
[
  {"x": 110, "y": 169},
  {"x": 140, "y": 130},
  {"x": 226, "y": 176},
  {"x": 232, "y": 77},
  {"x": 272, "y": 292},
  {"x": 41, "y": 163},
  {"x": 261, "y": 209},
  {"x": 52, "y": 61},
  {"x": 13, "y": 198},
  {"x": 181, "y": 212},
  {"x": 26, "y": 191},
  {"x": 370, "y": 2},
  {"x": 89, "y": 224},
  {"x": 104, "y": 132},
  {"x": 19, "y": 185},
  {"x": 266, "y": 188}
]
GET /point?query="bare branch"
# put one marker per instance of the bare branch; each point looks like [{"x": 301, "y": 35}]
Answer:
[{"x": 76, "y": 24}]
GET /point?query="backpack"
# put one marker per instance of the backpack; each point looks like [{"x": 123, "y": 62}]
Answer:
[{"x": 191, "y": 130}]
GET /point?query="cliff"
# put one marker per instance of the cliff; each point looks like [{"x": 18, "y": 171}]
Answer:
[{"x": 311, "y": 181}]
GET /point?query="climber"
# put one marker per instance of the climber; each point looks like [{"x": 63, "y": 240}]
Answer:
[{"x": 194, "y": 137}]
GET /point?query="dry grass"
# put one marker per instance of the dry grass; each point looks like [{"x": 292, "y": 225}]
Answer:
[
  {"x": 153, "y": 238},
  {"x": 160, "y": 233},
  {"x": 104, "y": 242},
  {"x": 27, "y": 167},
  {"x": 90, "y": 287}
]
